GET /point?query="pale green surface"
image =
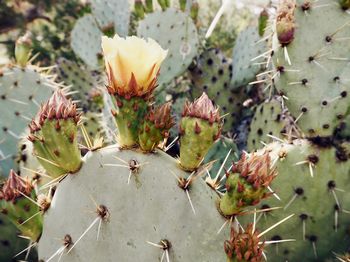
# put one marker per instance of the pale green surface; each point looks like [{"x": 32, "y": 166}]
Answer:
[
  {"x": 175, "y": 31},
  {"x": 152, "y": 207},
  {"x": 18, "y": 86}
]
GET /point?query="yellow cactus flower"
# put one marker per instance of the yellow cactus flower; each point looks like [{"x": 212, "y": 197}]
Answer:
[{"x": 132, "y": 64}]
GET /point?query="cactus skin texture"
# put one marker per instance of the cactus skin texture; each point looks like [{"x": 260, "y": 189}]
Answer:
[
  {"x": 315, "y": 79},
  {"x": 247, "y": 183},
  {"x": 54, "y": 136},
  {"x": 86, "y": 41},
  {"x": 212, "y": 75},
  {"x": 270, "y": 120},
  {"x": 15, "y": 205},
  {"x": 247, "y": 47},
  {"x": 320, "y": 222},
  {"x": 10, "y": 243},
  {"x": 181, "y": 40},
  {"x": 22, "y": 91},
  {"x": 219, "y": 152},
  {"x": 154, "y": 208},
  {"x": 156, "y": 127},
  {"x": 200, "y": 127},
  {"x": 113, "y": 14},
  {"x": 128, "y": 115}
]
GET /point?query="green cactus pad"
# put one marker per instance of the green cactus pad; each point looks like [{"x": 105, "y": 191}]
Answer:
[
  {"x": 112, "y": 12},
  {"x": 81, "y": 80},
  {"x": 86, "y": 40},
  {"x": 316, "y": 81},
  {"x": 175, "y": 31},
  {"x": 128, "y": 116},
  {"x": 197, "y": 136},
  {"x": 91, "y": 122},
  {"x": 151, "y": 208},
  {"x": 10, "y": 243},
  {"x": 58, "y": 152},
  {"x": 344, "y": 128},
  {"x": 248, "y": 46},
  {"x": 20, "y": 211},
  {"x": 22, "y": 91},
  {"x": 318, "y": 200},
  {"x": 219, "y": 152},
  {"x": 212, "y": 75},
  {"x": 269, "y": 120}
]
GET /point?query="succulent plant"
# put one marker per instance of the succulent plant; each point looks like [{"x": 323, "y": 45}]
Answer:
[
  {"x": 247, "y": 183},
  {"x": 22, "y": 91},
  {"x": 313, "y": 184},
  {"x": 212, "y": 74},
  {"x": 86, "y": 41},
  {"x": 11, "y": 244},
  {"x": 181, "y": 40},
  {"x": 112, "y": 14},
  {"x": 311, "y": 64},
  {"x": 142, "y": 203},
  {"x": 143, "y": 171},
  {"x": 54, "y": 136},
  {"x": 200, "y": 127},
  {"x": 270, "y": 121},
  {"x": 247, "y": 61}
]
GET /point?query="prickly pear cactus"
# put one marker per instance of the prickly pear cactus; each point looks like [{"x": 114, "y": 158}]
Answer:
[
  {"x": 312, "y": 64},
  {"x": 313, "y": 184},
  {"x": 83, "y": 84},
  {"x": 174, "y": 212},
  {"x": 139, "y": 173},
  {"x": 10, "y": 243},
  {"x": 164, "y": 223},
  {"x": 247, "y": 59},
  {"x": 86, "y": 40},
  {"x": 212, "y": 75},
  {"x": 223, "y": 152},
  {"x": 344, "y": 128},
  {"x": 115, "y": 14},
  {"x": 175, "y": 31},
  {"x": 22, "y": 92},
  {"x": 270, "y": 121}
]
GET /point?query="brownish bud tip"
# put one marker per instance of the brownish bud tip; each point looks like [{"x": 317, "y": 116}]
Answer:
[
  {"x": 14, "y": 187},
  {"x": 202, "y": 108}
]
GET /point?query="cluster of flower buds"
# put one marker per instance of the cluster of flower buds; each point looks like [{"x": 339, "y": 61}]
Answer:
[
  {"x": 161, "y": 116},
  {"x": 156, "y": 127},
  {"x": 247, "y": 183},
  {"x": 244, "y": 245},
  {"x": 14, "y": 187},
  {"x": 57, "y": 107},
  {"x": 202, "y": 108},
  {"x": 200, "y": 127},
  {"x": 255, "y": 169}
]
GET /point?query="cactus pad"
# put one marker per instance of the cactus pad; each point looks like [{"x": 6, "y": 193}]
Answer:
[
  {"x": 175, "y": 31},
  {"x": 247, "y": 47},
  {"x": 10, "y": 243},
  {"x": 316, "y": 80},
  {"x": 115, "y": 13},
  {"x": 22, "y": 92},
  {"x": 143, "y": 216},
  {"x": 86, "y": 40},
  {"x": 269, "y": 120},
  {"x": 313, "y": 184},
  {"x": 82, "y": 81},
  {"x": 212, "y": 75}
]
